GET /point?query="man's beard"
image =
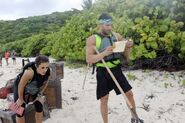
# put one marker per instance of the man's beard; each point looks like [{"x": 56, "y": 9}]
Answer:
[{"x": 106, "y": 32}]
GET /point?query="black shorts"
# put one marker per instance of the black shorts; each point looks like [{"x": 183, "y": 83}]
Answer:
[
  {"x": 38, "y": 108},
  {"x": 105, "y": 83}
]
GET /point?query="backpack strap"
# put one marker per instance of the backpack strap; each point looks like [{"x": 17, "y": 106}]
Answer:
[
  {"x": 115, "y": 36},
  {"x": 98, "y": 38},
  {"x": 44, "y": 88}
]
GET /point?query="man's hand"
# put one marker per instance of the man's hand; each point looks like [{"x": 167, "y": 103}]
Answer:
[
  {"x": 129, "y": 43},
  {"x": 108, "y": 51}
]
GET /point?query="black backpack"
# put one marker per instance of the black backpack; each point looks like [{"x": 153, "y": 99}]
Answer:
[{"x": 18, "y": 78}]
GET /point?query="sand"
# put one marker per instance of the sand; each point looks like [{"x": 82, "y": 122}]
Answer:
[{"x": 159, "y": 96}]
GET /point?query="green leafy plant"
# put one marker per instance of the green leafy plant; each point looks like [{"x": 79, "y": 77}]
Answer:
[
  {"x": 75, "y": 65},
  {"x": 156, "y": 27},
  {"x": 183, "y": 83},
  {"x": 131, "y": 76},
  {"x": 166, "y": 85},
  {"x": 165, "y": 76}
]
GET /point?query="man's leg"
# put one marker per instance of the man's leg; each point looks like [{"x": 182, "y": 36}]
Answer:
[
  {"x": 135, "y": 118},
  {"x": 104, "y": 108},
  {"x": 130, "y": 97}
]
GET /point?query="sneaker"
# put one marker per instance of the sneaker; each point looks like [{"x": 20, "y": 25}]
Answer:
[{"x": 137, "y": 120}]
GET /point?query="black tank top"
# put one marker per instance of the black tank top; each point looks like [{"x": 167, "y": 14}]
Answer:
[{"x": 40, "y": 79}]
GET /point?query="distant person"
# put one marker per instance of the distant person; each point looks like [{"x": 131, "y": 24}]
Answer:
[
  {"x": 14, "y": 57},
  {"x": 6, "y": 55},
  {"x": 1, "y": 57},
  {"x": 30, "y": 84}
]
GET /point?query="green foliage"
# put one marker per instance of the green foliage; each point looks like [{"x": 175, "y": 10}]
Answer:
[
  {"x": 154, "y": 35},
  {"x": 165, "y": 75},
  {"x": 125, "y": 22},
  {"x": 33, "y": 46},
  {"x": 131, "y": 76},
  {"x": 50, "y": 40},
  {"x": 182, "y": 45},
  {"x": 166, "y": 85},
  {"x": 74, "y": 65},
  {"x": 183, "y": 83},
  {"x": 146, "y": 70},
  {"x": 157, "y": 28},
  {"x": 26, "y": 27},
  {"x": 71, "y": 39}
]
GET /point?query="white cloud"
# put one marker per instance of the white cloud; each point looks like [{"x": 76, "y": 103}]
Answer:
[{"x": 13, "y": 9}]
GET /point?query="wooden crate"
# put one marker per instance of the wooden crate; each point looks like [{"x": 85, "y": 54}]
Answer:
[
  {"x": 30, "y": 113},
  {"x": 53, "y": 91},
  {"x": 57, "y": 70},
  {"x": 7, "y": 117},
  {"x": 53, "y": 94}
]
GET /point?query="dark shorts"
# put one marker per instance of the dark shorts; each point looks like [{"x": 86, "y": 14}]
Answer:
[
  {"x": 105, "y": 83},
  {"x": 13, "y": 58},
  {"x": 38, "y": 108},
  {"x": 27, "y": 99}
]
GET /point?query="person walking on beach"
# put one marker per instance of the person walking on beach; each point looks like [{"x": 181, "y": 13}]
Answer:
[
  {"x": 29, "y": 86},
  {"x": 14, "y": 57},
  {"x": 6, "y": 55},
  {"x": 103, "y": 42}
]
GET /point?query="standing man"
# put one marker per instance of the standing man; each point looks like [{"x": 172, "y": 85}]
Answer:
[{"x": 103, "y": 42}]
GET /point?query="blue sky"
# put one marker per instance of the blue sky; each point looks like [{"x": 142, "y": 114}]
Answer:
[{"x": 14, "y": 9}]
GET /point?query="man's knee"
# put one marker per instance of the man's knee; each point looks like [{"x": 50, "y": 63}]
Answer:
[
  {"x": 129, "y": 94},
  {"x": 104, "y": 100}
]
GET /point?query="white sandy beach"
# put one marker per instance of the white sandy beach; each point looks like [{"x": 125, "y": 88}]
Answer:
[{"x": 160, "y": 97}]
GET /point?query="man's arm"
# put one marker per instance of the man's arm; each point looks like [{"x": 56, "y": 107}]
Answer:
[{"x": 91, "y": 56}]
